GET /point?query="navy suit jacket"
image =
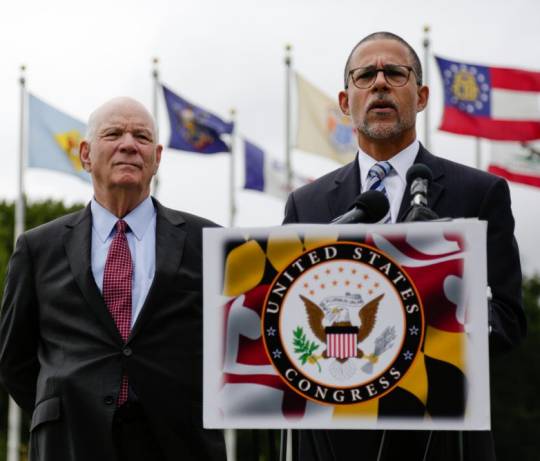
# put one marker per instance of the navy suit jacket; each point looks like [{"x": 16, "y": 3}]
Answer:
[
  {"x": 61, "y": 355},
  {"x": 457, "y": 191}
]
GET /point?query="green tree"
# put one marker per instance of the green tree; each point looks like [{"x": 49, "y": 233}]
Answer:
[
  {"x": 515, "y": 377},
  {"x": 36, "y": 213},
  {"x": 515, "y": 381}
]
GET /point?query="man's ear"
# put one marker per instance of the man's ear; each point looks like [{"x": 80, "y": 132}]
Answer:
[
  {"x": 423, "y": 97},
  {"x": 343, "y": 98},
  {"x": 84, "y": 155},
  {"x": 159, "y": 149}
]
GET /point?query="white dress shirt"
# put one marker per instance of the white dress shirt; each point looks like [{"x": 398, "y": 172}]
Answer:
[{"x": 396, "y": 181}]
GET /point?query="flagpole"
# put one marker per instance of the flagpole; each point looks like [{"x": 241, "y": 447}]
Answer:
[
  {"x": 478, "y": 152},
  {"x": 230, "y": 444},
  {"x": 284, "y": 433},
  {"x": 426, "y": 44},
  {"x": 288, "y": 166},
  {"x": 155, "y": 77},
  {"x": 20, "y": 206},
  {"x": 14, "y": 412},
  {"x": 232, "y": 181},
  {"x": 285, "y": 451}
]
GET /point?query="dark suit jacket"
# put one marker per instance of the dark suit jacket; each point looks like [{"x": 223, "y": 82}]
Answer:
[
  {"x": 457, "y": 191},
  {"x": 61, "y": 355}
]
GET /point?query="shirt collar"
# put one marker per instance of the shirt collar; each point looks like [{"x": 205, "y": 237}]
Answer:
[
  {"x": 137, "y": 219},
  {"x": 400, "y": 162}
]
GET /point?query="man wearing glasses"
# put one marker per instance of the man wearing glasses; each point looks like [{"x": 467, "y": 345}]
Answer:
[{"x": 382, "y": 94}]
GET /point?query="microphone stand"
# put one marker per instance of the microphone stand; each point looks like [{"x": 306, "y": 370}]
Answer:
[
  {"x": 283, "y": 435},
  {"x": 419, "y": 211}
]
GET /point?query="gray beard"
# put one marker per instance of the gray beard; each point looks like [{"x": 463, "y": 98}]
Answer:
[{"x": 376, "y": 131}]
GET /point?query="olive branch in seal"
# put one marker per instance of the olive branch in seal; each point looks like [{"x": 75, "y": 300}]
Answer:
[{"x": 305, "y": 348}]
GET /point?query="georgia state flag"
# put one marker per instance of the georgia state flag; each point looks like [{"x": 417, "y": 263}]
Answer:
[{"x": 490, "y": 102}]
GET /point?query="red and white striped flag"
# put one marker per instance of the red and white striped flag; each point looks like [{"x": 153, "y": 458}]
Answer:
[
  {"x": 490, "y": 102},
  {"x": 341, "y": 342},
  {"x": 517, "y": 162}
]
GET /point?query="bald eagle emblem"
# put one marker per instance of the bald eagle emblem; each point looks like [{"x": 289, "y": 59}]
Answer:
[{"x": 342, "y": 322}]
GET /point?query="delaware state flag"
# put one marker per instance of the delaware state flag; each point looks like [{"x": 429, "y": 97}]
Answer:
[
  {"x": 54, "y": 138},
  {"x": 490, "y": 102}
]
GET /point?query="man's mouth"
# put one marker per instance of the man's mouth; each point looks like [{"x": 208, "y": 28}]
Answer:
[
  {"x": 127, "y": 164},
  {"x": 382, "y": 106}
]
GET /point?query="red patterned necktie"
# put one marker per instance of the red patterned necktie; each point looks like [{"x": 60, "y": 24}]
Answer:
[{"x": 117, "y": 290}]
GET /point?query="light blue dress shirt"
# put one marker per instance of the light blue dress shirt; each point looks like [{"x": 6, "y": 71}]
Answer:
[{"x": 142, "y": 245}]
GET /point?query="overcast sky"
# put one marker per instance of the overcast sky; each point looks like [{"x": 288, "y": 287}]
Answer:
[{"x": 229, "y": 54}]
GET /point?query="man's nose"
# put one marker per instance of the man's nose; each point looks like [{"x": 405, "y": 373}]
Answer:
[
  {"x": 380, "y": 80},
  {"x": 127, "y": 143}
]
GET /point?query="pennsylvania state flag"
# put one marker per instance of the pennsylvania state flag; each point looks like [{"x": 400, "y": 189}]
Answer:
[
  {"x": 53, "y": 139},
  {"x": 193, "y": 129}
]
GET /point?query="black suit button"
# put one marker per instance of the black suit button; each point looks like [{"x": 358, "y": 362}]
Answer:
[
  {"x": 127, "y": 351},
  {"x": 108, "y": 400}
]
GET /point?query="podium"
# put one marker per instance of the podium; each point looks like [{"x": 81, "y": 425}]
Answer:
[{"x": 347, "y": 326}]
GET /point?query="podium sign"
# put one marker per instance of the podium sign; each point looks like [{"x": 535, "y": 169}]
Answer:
[{"x": 347, "y": 326}]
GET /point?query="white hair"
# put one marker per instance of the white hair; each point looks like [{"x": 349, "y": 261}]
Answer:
[{"x": 94, "y": 118}]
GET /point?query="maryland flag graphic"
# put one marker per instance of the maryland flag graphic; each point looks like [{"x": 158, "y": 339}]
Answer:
[{"x": 346, "y": 326}]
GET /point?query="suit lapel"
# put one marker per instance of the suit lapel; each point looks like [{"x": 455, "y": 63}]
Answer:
[
  {"x": 170, "y": 240},
  {"x": 436, "y": 187},
  {"x": 77, "y": 243},
  {"x": 345, "y": 189}
]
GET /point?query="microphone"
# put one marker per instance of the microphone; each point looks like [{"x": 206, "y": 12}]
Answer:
[
  {"x": 419, "y": 178},
  {"x": 369, "y": 207}
]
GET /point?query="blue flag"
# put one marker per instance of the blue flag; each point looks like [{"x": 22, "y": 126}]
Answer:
[
  {"x": 193, "y": 129},
  {"x": 254, "y": 166},
  {"x": 53, "y": 139},
  {"x": 266, "y": 174}
]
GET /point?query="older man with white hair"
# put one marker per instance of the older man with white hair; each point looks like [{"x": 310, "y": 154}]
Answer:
[{"x": 100, "y": 328}]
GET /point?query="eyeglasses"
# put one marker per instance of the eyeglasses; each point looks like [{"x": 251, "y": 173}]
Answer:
[{"x": 395, "y": 75}]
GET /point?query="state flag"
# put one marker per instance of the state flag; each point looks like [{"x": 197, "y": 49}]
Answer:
[
  {"x": 490, "y": 102},
  {"x": 193, "y": 128},
  {"x": 517, "y": 162},
  {"x": 53, "y": 139},
  {"x": 266, "y": 174},
  {"x": 322, "y": 128}
]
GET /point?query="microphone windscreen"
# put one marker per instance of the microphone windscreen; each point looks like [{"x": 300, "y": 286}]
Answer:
[
  {"x": 374, "y": 204},
  {"x": 419, "y": 170}
]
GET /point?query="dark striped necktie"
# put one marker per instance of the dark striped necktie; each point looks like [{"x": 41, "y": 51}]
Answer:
[{"x": 375, "y": 181}]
